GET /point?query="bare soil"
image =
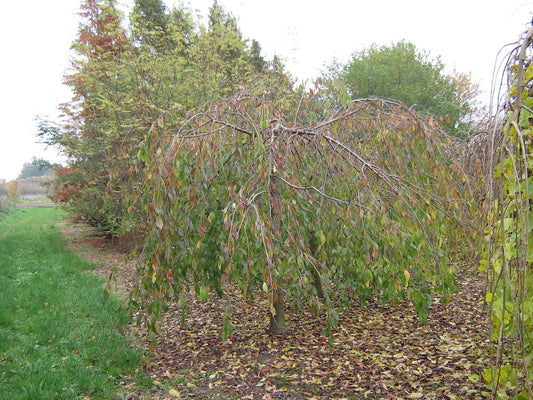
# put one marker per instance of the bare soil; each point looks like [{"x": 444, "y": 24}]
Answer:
[
  {"x": 115, "y": 265},
  {"x": 33, "y": 205}
]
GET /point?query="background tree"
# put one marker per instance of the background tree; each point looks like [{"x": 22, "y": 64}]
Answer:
[
  {"x": 36, "y": 167},
  {"x": 92, "y": 139},
  {"x": 35, "y": 177},
  {"x": 404, "y": 73},
  {"x": 159, "y": 78},
  {"x": 255, "y": 57},
  {"x": 12, "y": 190},
  {"x": 198, "y": 65},
  {"x": 150, "y": 25},
  {"x": 218, "y": 60},
  {"x": 468, "y": 95},
  {"x": 123, "y": 84}
]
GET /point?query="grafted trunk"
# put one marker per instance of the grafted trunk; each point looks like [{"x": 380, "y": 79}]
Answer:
[
  {"x": 278, "y": 325},
  {"x": 317, "y": 282}
]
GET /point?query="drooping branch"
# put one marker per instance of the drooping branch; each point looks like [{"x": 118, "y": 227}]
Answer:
[{"x": 237, "y": 171}]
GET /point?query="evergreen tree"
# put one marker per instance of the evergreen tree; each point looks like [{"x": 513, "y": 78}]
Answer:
[
  {"x": 255, "y": 57},
  {"x": 182, "y": 29},
  {"x": 150, "y": 25}
]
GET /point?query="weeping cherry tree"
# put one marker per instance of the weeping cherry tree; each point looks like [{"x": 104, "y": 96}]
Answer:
[{"x": 366, "y": 199}]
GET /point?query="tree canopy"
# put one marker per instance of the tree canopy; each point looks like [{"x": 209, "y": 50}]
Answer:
[{"x": 304, "y": 205}]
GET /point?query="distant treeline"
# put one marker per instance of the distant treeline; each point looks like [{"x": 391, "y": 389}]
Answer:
[{"x": 35, "y": 185}]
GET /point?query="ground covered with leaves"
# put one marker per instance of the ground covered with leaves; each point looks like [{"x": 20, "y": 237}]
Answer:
[{"x": 376, "y": 352}]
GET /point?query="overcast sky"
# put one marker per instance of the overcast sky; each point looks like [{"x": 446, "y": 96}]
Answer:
[{"x": 35, "y": 36}]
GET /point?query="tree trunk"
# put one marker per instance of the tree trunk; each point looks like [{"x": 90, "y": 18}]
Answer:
[
  {"x": 317, "y": 282},
  {"x": 278, "y": 325}
]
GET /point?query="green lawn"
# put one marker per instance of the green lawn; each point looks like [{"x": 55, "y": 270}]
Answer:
[{"x": 60, "y": 337}]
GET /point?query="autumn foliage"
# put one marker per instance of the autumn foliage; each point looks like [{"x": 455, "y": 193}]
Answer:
[
  {"x": 305, "y": 206},
  {"x": 232, "y": 181}
]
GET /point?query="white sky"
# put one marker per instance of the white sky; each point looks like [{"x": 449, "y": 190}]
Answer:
[{"x": 35, "y": 37}]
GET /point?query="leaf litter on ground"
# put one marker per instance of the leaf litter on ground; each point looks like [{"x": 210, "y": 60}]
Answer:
[{"x": 379, "y": 351}]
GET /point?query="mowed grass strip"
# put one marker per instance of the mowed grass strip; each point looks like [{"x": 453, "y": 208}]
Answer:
[{"x": 60, "y": 336}]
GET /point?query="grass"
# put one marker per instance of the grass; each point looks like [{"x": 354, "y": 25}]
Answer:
[{"x": 60, "y": 336}]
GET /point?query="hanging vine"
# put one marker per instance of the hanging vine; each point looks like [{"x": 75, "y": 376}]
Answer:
[{"x": 508, "y": 255}]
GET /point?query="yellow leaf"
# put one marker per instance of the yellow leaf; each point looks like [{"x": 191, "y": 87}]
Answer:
[
  {"x": 154, "y": 277},
  {"x": 265, "y": 287},
  {"x": 407, "y": 276},
  {"x": 488, "y": 297},
  {"x": 198, "y": 245},
  {"x": 174, "y": 393}
]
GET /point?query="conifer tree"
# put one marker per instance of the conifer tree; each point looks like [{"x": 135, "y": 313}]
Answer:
[{"x": 150, "y": 25}]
